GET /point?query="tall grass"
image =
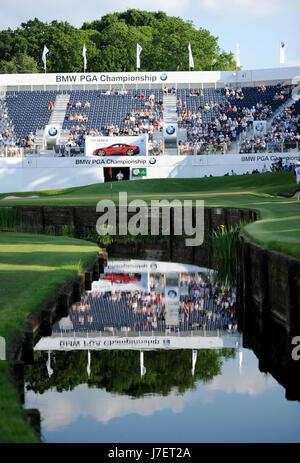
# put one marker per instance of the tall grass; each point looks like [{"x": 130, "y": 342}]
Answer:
[
  {"x": 224, "y": 253},
  {"x": 10, "y": 217}
]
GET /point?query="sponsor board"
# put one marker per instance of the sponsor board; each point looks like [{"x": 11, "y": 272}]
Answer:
[
  {"x": 128, "y": 147},
  {"x": 151, "y": 266},
  {"x": 259, "y": 128},
  {"x": 116, "y": 146},
  {"x": 269, "y": 157},
  {"x": 111, "y": 162},
  {"x": 133, "y": 343},
  {"x": 121, "y": 282},
  {"x": 139, "y": 172},
  {"x": 121, "y": 79}
]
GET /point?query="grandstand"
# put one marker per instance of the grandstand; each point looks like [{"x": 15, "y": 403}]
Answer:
[{"x": 48, "y": 117}]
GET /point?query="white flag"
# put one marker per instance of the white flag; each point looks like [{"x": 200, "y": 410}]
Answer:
[
  {"x": 138, "y": 52},
  {"x": 194, "y": 360},
  {"x": 191, "y": 61},
  {"x": 238, "y": 62},
  {"x": 282, "y": 52},
  {"x": 44, "y": 56},
  {"x": 84, "y": 57},
  {"x": 142, "y": 368}
]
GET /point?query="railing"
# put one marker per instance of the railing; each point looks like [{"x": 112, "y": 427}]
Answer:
[
  {"x": 18, "y": 152},
  {"x": 202, "y": 149},
  {"x": 239, "y": 148},
  {"x": 157, "y": 150},
  {"x": 125, "y": 334},
  {"x": 276, "y": 147}
]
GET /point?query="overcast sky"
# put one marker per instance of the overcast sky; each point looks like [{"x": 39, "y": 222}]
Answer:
[{"x": 258, "y": 25}]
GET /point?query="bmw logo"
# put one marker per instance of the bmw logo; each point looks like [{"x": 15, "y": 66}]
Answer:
[
  {"x": 166, "y": 342},
  {"x": 52, "y": 131},
  {"x": 170, "y": 130},
  {"x": 163, "y": 77},
  {"x": 152, "y": 161},
  {"x": 153, "y": 266},
  {"x": 172, "y": 293}
]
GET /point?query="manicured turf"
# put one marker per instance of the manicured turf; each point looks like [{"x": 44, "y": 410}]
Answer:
[
  {"x": 32, "y": 267},
  {"x": 279, "y": 227}
]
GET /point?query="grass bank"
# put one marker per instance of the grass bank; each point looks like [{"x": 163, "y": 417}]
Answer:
[
  {"x": 278, "y": 227},
  {"x": 32, "y": 268}
]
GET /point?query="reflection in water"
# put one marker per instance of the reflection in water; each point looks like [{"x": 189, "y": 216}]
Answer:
[
  {"x": 149, "y": 338},
  {"x": 164, "y": 301},
  {"x": 120, "y": 371}
]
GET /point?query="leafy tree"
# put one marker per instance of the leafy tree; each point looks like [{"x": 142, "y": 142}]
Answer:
[
  {"x": 19, "y": 64},
  {"x": 119, "y": 371},
  {"x": 111, "y": 44}
]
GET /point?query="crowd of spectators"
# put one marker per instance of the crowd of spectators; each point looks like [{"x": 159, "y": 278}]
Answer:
[
  {"x": 204, "y": 305},
  {"x": 233, "y": 117},
  {"x": 10, "y": 144},
  {"x": 207, "y": 304},
  {"x": 222, "y": 131},
  {"x": 139, "y": 121},
  {"x": 283, "y": 135}
]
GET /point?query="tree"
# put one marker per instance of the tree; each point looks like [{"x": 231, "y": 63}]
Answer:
[
  {"x": 111, "y": 44},
  {"x": 119, "y": 371},
  {"x": 19, "y": 64}
]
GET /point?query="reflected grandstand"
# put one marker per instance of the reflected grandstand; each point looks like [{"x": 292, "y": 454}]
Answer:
[{"x": 134, "y": 307}]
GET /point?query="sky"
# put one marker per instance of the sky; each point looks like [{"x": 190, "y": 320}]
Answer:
[
  {"x": 249, "y": 400},
  {"x": 257, "y": 25}
]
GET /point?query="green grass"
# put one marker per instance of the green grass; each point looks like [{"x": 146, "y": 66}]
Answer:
[
  {"x": 154, "y": 189},
  {"x": 279, "y": 227},
  {"x": 32, "y": 268}
]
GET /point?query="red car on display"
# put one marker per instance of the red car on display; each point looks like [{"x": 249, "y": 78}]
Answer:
[
  {"x": 122, "y": 277},
  {"x": 118, "y": 148}
]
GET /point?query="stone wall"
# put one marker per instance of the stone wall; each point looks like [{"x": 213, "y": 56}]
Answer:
[
  {"x": 39, "y": 323},
  {"x": 81, "y": 217},
  {"x": 268, "y": 291}
]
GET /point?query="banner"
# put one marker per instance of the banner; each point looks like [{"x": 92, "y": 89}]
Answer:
[
  {"x": 282, "y": 52},
  {"x": 144, "y": 79},
  {"x": 259, "y": 128},
  {"x": 138, "y": 52},
  {"x": 172, "y": 295},
  {"x": 136, "y": 342},
  {"x": 127, "y": 147},
  {"x": 45, "y": 51},
  {"x": 84, "y": 57},
  {"x": 191, "y": 61},
  {"x": 139, "y": 172}
]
